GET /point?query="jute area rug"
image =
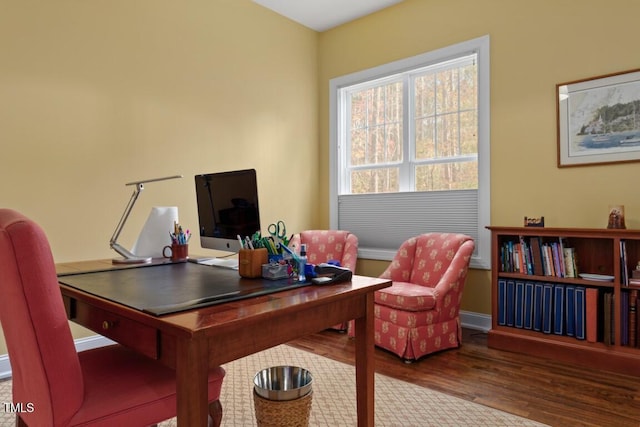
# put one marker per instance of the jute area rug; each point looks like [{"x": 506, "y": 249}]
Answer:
[{"x": 397, "y": 403}]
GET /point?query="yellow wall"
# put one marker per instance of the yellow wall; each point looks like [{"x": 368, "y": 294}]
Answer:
[
  {"x": 99, "y": 93},
  {"x": 534, "y": 46},
  {"x": 94, "y": 94}
]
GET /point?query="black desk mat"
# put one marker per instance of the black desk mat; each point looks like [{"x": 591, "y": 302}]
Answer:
[{"x": 171, "y": 288}]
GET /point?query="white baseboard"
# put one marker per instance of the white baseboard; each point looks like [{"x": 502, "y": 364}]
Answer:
[
  {"x": 82, "y": 344},
  {"x": 469, "y": 320},
  {"x": 478, "y": 321}
]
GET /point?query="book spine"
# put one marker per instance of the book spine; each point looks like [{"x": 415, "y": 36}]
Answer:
[
  {"x": 580, "y": 312},
  {"x": 568, "y": 262},
  {"x": 624, "y": 318},
  {"x": 624, "y": 279},
  {"x": 537, "y": 306},
  {"x": 548, "y": 261},
  {"x": 633, "y": 320},
  {"x": 536, "y": 253},
  {"x": 511, "y": 289},
  {"x": 556, "y": 259},
  {"x": 563, "y": 271},
  {"x": 547, "y": 308},
  {"x": 608, "y": 319},
  {"x": 590, "y": 312},
  {"x": 502, "y": 302},
  {"x": 528, "y": 305},
  {"x": 519, "y": 305},
  {"x": 558, "y": 309},
  {"x": 570, "y": 312}
]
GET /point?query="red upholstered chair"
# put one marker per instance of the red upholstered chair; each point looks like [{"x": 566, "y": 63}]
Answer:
[
  {"x": 108, "y": 386},
  {"x": 419, "y": 313},
  {"x": 327, "y": 245}
]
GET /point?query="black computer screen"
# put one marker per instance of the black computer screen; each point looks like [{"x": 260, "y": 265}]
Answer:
[{"x": 227, "y": 208}]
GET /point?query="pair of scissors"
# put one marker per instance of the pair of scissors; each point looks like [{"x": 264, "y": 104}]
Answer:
[{"x": 278, "y": 231}]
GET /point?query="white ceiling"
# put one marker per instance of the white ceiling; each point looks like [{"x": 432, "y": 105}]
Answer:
[{"x": 321, "y": 15}]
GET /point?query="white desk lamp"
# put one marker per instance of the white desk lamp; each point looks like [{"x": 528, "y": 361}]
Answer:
[{"x": 130, "y": 258}]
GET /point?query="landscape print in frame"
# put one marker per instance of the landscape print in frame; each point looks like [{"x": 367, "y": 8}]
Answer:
[{"x": 599, "y": 120}]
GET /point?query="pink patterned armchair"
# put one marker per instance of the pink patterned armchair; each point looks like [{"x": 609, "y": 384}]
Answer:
[
  {"x": 419, "y": 313},
  {"x": 327, "y": 245}
]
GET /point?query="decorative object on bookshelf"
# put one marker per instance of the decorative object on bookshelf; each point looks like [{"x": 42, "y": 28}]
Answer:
[
  {"x": 616, "y": 217},
  {"x": 597, "y": 119},
  {"x": 597, "y": 277},
  {"x": 534, "y": 222}
]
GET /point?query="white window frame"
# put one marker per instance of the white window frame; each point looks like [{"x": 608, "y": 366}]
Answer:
[{"x": 421, "y": 200}]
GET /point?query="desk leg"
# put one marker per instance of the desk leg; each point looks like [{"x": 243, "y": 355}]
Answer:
[
  {"x": 191, "y": 372},
  {"x": 365, "y": 369}
]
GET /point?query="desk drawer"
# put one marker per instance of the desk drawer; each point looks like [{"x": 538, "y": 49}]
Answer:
[{"x": 139, "y": 337}]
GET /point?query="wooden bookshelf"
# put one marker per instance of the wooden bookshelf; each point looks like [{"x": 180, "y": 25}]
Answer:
[{"x": 598, "y": 252}]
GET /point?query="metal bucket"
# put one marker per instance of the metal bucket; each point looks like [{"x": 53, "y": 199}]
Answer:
[{"x": 283, "y": 383}]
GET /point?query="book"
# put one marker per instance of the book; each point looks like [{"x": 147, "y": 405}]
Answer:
[
  {"x": 624, "y": 271},
  {"x": 502, "y": 302},
  {"x": 563, "y": 270},
  {"x": 516, "y": 258},
  {"x": 591, "y": 300},
  {"x": 569, "y": 262},
  {"x": 548, "y": 260},
  {"x": 570, "y": 312},
  {"x": 537, "y": 307},
  {"x": 558, "y": 259},
  {"x": 536, "y": 254},
  {"x": 547, "y": 308},
  {"x": 638, "y": 322},
  {"x": 528, "y": 305},
  {"x": 519, "y": 305},
  {"x": 580, "y": 312},
  {"x": 526, "y": 251},
  {"x": 558, "y": 309},
  {"x": 624, "y": 318},
  {"x": 511, "y": 289},
  {"x": 633, "y": 320},
  {"x": 607, "y": 320}
]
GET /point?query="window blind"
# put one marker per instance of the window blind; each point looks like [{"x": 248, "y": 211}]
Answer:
[{"x": 383, "y": 221}]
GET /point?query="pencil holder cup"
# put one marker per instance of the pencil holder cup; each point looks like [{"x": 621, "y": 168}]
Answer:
[
  {"x": 250, "y": 262},
  {"x": 177, "y": 252}
]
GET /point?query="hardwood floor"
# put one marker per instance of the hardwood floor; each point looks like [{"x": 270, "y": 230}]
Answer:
[{"x": 542, "y": 390}]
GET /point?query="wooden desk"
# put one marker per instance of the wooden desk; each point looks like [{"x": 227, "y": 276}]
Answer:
[{"x": 194, "y": 340}]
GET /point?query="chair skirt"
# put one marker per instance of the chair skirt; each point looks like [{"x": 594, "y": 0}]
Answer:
[{"x": 413, "y": 342}]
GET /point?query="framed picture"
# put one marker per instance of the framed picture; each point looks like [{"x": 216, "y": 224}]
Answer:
[{"x": 599, "y": 120}]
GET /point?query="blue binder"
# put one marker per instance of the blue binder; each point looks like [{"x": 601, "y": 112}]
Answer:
[
  {"x": 558, "y": 309},
  {"x": 537, "y": 307},
  {"x": 570, "y": 312},
  {"x": 528, "y": 305},
  {"x": 519, "y": 305},
  {"x": 511, "y": 289},
  {"x": 502, "y": 302},
  {"x": 547, "y": 308},
  {"x": 580, "y": 312}
]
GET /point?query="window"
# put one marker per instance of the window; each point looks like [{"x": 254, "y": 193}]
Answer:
[{"x": 410, "y": 150}]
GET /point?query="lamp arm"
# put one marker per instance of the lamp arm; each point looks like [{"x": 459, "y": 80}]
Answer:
[{"x": 132, "y": 201}]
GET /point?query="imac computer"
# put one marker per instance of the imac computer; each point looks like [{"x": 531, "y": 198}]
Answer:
[{"x": 227, "y": 208}]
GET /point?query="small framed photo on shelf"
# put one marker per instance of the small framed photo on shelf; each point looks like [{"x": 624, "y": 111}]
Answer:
[
  {"x": 534, "y": 222},
  {"x": 599, "y": 120}
]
